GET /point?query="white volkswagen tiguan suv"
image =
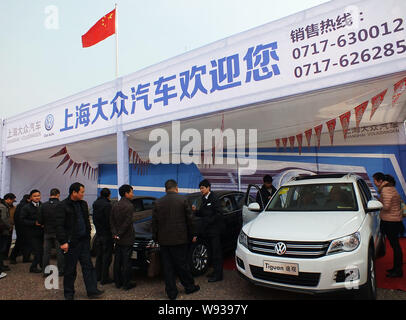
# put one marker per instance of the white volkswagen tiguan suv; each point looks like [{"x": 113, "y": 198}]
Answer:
[{"x": 317, "y": 234}]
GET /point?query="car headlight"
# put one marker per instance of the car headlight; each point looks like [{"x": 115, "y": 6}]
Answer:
[
  {"x": 345, "y": 244},
  {"x": 243, "y": 239}
]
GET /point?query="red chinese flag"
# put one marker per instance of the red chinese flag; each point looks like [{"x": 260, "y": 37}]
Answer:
[{"x": 103, "y": 29}]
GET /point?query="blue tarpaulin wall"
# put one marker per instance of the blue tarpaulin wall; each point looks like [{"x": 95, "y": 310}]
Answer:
[{"x": 151, "y": 179}]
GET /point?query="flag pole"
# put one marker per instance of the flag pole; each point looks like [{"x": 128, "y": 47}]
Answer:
[{"x": 116, "y": 29}]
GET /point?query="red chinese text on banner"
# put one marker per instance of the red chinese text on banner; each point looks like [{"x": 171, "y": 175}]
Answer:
[
  {"x": 299, "y": 138},
  {"x": 376, "y": 102},
  {"x": 345, "y": 122},
  {"x": 308, "y": 134},
  {"x": 331, "y": 125},
  {"x": 317, "y": 131},
  {"x": 398, "y": 89},
  {"x": 292, "y": 142},
  {"x": 359, "y": 112}
]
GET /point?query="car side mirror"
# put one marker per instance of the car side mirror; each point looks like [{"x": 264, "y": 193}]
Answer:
[
  {"x": 254, "y": 207},
  {"x": 374, "y": 205}
]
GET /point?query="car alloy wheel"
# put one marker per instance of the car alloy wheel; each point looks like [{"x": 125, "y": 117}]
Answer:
[{"x": 199, "y": 258}]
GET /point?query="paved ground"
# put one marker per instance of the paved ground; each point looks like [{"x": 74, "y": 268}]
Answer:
[{"x": 22, "y": 285}]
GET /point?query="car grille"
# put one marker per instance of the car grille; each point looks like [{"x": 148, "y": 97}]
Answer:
[
  {"x": 140, "y": 244},
  {"x": 305, "y": 279},
  {"x": 294, "y": 249}
]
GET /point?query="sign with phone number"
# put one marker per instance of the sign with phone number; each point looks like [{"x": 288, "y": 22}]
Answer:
[{"x": 364, "y": 37}]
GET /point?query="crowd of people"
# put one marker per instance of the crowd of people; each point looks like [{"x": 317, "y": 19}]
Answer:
[{"x": 65, "y": 226}]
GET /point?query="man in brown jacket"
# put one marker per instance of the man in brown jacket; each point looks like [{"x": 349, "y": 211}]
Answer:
[
  {"x": 123, "y": 233},
  {"x": 171, "y": 227}
]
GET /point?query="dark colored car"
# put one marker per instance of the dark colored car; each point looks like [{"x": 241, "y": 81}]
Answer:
[{"x": 231, "y": 203}]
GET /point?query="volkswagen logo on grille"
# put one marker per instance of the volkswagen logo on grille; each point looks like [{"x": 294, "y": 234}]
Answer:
[{"x": 280, "y": 248}]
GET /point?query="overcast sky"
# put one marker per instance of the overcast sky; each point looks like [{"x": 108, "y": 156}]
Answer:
[{"x": 42, "y": 59}]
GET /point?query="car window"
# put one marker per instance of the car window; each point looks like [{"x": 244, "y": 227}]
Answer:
[
  {"x": 195, "y": 201},
  {"x": 365, "y": 192},
  {"x": 148, "y": 204},
  {"x": 226, "y": 204},
  {"x": 138, "y": 205},
  {"x": 239, "y": 199},
  {"x": 315, "y": 197}
]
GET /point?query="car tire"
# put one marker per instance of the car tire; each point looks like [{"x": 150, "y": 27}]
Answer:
[
  {"x": 199, "y": 258},
  {"x": 369, "y": 290}
]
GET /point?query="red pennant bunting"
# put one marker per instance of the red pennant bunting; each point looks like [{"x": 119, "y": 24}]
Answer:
[
  {"x": 331, "y": 125},
  {"x": 299, "y": 138},
  {"x": 317, "y": 131},
  {"x": 308, "y": 134},
  {"x": 69, "y": 165},
  {"x": 345, "y": 122},
  {"x": 292, "y": 142},
  {"x": 376, "y": 102},
  {"x": 59, "y": 153},
  {"x": 66, "y": 158},
  {"x": 130, "y": 152},
  {"x": 285, "y": 143},
  {"x": 78, "y": 168},
  {"x": 359, "y": 112},
  {"x": 398, "y": 89},
  {"x": 75, "y": 165},
  {"x": 278, "y": 144}
]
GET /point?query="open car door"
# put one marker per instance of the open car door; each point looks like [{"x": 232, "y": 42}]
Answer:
[{"x": 249, "y": 214}]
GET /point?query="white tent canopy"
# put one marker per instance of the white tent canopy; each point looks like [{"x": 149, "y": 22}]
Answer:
[{"x": 280, "y": 79}]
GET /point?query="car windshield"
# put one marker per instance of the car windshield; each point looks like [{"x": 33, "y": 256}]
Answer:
[{"x": 315, "y": 197}]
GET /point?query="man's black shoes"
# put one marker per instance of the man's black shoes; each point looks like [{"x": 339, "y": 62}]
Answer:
[
  {"x": 129, "y": 286},
  {"x": 35, "y": 270},
  {"x": 215, "y": 279},
  {"x": 395, "y": 274},
  {"x": 94, "y": 295},
  {"x": 192, "y": 290},
  {"x": 107, "y": 281}
]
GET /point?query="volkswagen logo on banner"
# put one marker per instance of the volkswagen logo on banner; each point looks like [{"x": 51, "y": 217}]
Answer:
[
  {"x": 280, "y": 248},
  {"x": 49, "y": 122}
]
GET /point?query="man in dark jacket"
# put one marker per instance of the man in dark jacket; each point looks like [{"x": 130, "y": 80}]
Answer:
[
  {"x": 172, "y": 228},
  {"x": 212, "y": 226},
  {"x": 21, "y": 245},
  {"x": 47, "y": 218},
  {"x": 73, "y": 233},
  {"x": 266, "y": 192},
  {"x": 104, "y": 240},
  {"x": 124, "y": 236},
  {"x": 34, "y": 231},
  {"x": 9, "y": 199},
  {"x": 5, "y": 229}
]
